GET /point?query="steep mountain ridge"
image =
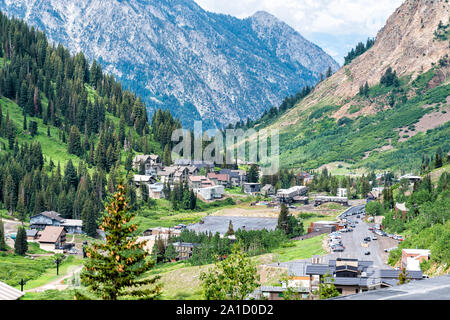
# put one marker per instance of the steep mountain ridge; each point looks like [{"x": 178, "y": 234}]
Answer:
[
  {"x": 406, "y": 44},
  {"x": 389, "y": 125},
  {"x": 199, "y": 64}
]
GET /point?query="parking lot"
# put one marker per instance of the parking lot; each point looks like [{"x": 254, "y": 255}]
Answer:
[
  {"x": 219, "y": 224},
  {"x": 355, "y": 246}
]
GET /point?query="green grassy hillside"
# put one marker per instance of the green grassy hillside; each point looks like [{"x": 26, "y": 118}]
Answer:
[{"x": 375, "y": 140}]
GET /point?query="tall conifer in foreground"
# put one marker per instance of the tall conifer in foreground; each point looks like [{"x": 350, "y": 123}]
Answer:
[{"x": 113, "y": 268}]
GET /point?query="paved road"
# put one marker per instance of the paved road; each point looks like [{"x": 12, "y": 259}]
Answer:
[
  {"x": 353, "y": 240},
  {"x": 353, "y": 248}
]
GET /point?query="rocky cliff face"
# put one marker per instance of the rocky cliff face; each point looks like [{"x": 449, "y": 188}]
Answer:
[
  {"x": 199, "y": 64},
  {"x": 407, "y": 43}
]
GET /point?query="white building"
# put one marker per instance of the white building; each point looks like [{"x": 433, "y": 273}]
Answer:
[
  {"x": 211, "y": 193},
  {"x": 341, "y": 192}
]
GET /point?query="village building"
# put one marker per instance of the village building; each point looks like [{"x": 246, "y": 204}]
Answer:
[
  {"x": 401, "y": 209},
  {"x": 351, "y": 276},
  {"x": 210, "y": 193},
  {"x": 151, "y": 162},
  {"x": 52, "y": 238},
  {"x": 73, "y": 226},
  {"x": 199, "y": 164},
  {"x": 196, "y": 182},
  {"x": 142, "y": 179},
  {"x": 173, "y": 174},
  {"x": 237, "y": 177},
  {"x": 411, "y": 258},
  {"x": 184, "y": 249},
  {"x": 375, "y": 193},
  {"x": 52, "y": 218},
  {"x": 268, "y": 190},
  {"x": 252, "y": 188},
  {"x": 410, "y": 177},
  {"x": 323, "y": 199},
  {"x": 287, "y": 195},
  {"x": 32, "y": 234},
  {"x": 219, "y": 179},
  {"x": 342, "y": 192},
  {"x": 156, "y": 190}
]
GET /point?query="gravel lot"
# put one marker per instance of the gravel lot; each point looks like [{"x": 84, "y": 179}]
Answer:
[{"x": 220, "y": 224}]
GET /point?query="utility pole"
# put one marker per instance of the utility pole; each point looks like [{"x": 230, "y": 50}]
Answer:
[
  {"x": 22, "y": 283},
  {"x": 58, "y": 262}
]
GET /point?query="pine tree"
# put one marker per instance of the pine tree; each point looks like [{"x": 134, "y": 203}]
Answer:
[
  {"x": 230, "y": 230},
  {"x": 283, "y": 219},
  {"x": 113, "y": 268},
  {"x": 33, "y": 128},
  {"x": 74, "y": 145},
  {"x": 2, "y": 237},
  {"x": 21, "y": 244},
  {"x": 171, "y": 253}
]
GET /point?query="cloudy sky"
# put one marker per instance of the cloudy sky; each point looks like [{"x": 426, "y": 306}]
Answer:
[{"x": 335, "y": 25}]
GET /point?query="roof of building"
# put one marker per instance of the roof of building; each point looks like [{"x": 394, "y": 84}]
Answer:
[
  {"x": 297, "y": 269},
  {"x": 393, "y": 274},
  {"x": 401, "y": 206},
  {"x": 424, "y": 252},
  {"x": 72, "y": 223},
  {"x": 142, "y": 178},
  {"x": 51, "y": 234},
  {"x": 319, "y": 269},
  {"x": 9, "y": 293},
  {"x": 31, "y": 232},
  {"x": 437, "y": 288},
  {"x": 267, "y": 187},
  {"x": 185, "y": 244},
  {"x": 156, "y": 187},
  {"x": 50, "y": 214},
  {"x": 219, "y": 176},
  {"x": 282, "y": 289}
]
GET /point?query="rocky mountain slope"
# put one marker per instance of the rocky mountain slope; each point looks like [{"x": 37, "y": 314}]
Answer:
[
  {"x": 406, "y": 44},
  {"x": 389, "y": 125},
  {"x": 199, "y": 64}
]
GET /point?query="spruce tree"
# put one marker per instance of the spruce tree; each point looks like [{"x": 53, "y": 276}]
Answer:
[
  {"x": 2, "y": 237},
  {"x": 283, "y": 219},
  {"x": 230, "y": 230},
  {"x": 21, "y": 244},
  {"x": 74, "y": 145},
  {"x": 113, "y": 268}
]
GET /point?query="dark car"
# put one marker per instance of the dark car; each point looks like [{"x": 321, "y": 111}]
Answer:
[
  {"x": 358, "y": 216},
  {"x": 367, "y": 239},
  {"x": 367, "y": 253}
]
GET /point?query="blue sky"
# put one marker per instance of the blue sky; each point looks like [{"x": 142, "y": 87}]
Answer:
[{"x": 335, "y": 25}]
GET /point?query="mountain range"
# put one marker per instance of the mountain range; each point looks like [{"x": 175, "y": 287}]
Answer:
[{"x": 200, "y": 65}]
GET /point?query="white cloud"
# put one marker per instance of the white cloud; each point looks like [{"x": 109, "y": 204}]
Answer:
[{"x": 337, "y": 18}]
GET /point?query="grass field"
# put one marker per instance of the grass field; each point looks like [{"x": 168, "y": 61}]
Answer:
[
  {"x": 36, "y": 272},
  {"x": 301, "y": 249}
]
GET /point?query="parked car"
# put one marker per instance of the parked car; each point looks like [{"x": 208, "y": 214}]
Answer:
[
  {"x": 367, "y": 253},
  {"x": 367, "y": 239},
  {"x": 358, "y": 216},
  {"x": 374, "y": 238}
]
